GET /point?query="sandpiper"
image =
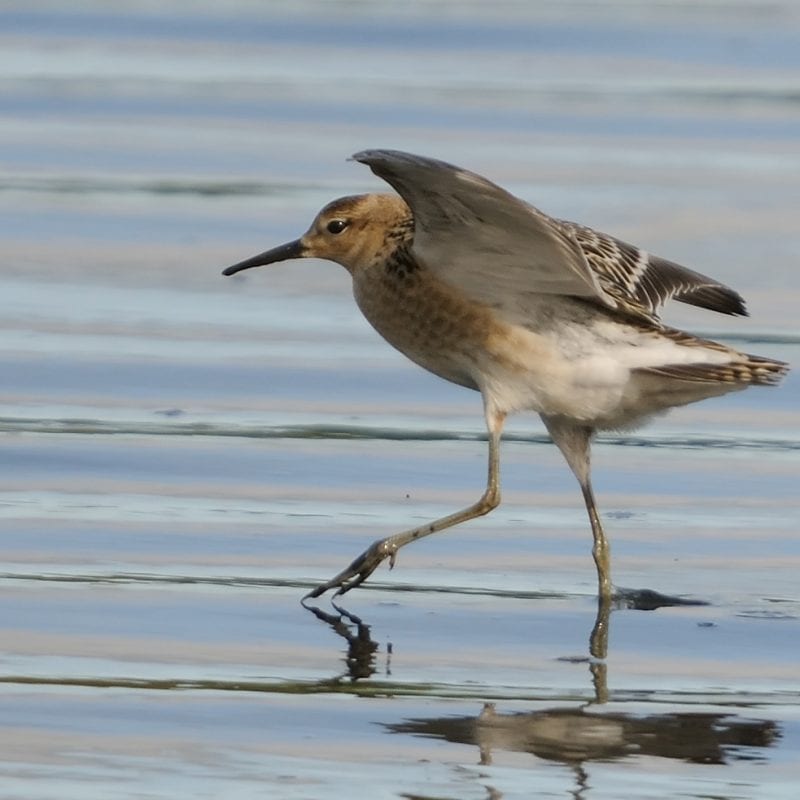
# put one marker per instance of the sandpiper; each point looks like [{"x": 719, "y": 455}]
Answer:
[{"x": 535, "y": 313}]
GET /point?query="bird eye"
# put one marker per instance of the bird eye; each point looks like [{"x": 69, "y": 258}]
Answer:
[{"x": 337, "y": 226}]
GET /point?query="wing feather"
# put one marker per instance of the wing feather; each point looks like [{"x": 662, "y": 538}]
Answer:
[
  {"x": 635, "y": 277},
  {"x": 494, "y": 247},
  {"x": 464, "y": 223}
]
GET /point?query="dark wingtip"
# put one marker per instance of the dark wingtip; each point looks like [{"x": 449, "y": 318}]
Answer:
[{"x": 716, "y": 298}]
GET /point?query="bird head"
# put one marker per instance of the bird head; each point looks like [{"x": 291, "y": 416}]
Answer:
[{"x": 355, "y": 231}]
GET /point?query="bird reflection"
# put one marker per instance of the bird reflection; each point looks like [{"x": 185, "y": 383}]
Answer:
[
  {"x": 638, "y": 599},
  {"x": 576, "y": 737},
  {"x": 361, "y": 647},
  {"x": 573, "y": 736}
]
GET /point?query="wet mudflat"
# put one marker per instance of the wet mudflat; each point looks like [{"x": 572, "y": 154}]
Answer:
[{"x": 182, "y": 457}]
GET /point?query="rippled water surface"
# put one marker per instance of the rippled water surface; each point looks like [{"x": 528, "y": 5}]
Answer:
[{"x": 184, "y": 456}]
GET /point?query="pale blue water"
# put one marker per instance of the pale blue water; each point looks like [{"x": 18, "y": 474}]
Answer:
[{"x": 183, "y": 456}]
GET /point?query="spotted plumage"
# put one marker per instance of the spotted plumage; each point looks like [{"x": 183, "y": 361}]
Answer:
[
  {"x": 535, "y": 313},
  {"x": 400, "y": 263}
]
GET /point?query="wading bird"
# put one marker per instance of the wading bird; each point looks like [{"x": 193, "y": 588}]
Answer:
[{"x": 535, "y": 313}]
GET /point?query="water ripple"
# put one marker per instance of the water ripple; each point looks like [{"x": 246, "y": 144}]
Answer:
[
  {"x": 83, "y": 185},
  {"x": 368, "y": 433}
]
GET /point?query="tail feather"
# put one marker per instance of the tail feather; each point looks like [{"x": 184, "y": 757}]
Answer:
[{"x": 749, "y": 371}]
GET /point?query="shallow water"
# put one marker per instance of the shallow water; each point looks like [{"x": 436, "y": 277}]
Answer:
[{"x": 182, "y": 457}]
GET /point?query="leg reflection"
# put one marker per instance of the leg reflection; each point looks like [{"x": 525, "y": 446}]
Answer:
[
  {"x": 361, "y": 647},
  {"x": 598, "y": 650}
]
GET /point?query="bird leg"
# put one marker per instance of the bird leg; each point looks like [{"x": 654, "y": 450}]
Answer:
[
  {"x": 601, "y": 550},
  {"x": 363, "y": 566},
  {"x": 574, "y": 441}
]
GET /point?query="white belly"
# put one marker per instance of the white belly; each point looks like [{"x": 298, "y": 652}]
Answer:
[{"x": 592, "y": 373}]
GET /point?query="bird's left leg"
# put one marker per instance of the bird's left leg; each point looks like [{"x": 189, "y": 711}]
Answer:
[
  {"x": 574, "y": 441},
  {"x": 368, "y": 561}
]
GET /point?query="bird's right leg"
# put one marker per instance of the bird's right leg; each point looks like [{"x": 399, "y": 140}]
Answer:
[
  {"x": 574, "y": 441},
  {"x": 378, "y": 551}
]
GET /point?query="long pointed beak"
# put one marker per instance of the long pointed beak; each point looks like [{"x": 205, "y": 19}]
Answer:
[{"x": 284, "y": 252}]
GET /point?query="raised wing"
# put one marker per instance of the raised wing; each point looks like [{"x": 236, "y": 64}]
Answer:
[
  {"x": 481, "y": 239},
  {"x": 494, "y": 247}
]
